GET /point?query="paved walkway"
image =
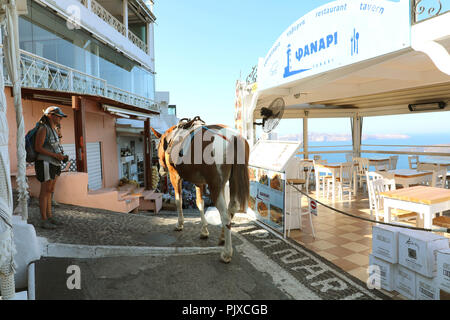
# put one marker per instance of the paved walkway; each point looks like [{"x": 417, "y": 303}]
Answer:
[{"x": 264, "y": 266}]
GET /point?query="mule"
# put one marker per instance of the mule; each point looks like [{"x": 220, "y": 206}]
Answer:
[{"x": 209, "y": 155}]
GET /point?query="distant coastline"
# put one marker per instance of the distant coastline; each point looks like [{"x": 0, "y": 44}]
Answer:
[{"x": 326, "y": 137}]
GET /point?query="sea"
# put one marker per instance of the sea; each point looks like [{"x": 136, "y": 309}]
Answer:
[{"x": 406, "y": 145}]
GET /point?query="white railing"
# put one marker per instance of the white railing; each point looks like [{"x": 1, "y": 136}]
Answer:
[
  {"x": 107, "y": 17},
  {"x": 41, "y": 73},
  {"x": 138, "y": 42},
  {"x": 104, "y": 14}
]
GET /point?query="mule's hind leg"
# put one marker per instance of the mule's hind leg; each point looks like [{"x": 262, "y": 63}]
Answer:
[
  {"x": 232, "y": 209},
  {"x": 176, "y": 183},
  {"x": 226, "y": 227},
  {"x": 201, "y": 206}
]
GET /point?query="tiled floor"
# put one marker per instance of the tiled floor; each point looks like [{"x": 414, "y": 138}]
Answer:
[{"x": 343, "y": 240}]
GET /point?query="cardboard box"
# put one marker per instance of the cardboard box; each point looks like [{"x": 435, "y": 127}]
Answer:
[
  {"x": 417, "y": 250},
  {"x": 443, "y": 269},
  {"x": 385, "y": 242},
  {"x": 386, "y": 272},
  {"x": 426, "y": 288},
  {"x": 405, "y": 281}
]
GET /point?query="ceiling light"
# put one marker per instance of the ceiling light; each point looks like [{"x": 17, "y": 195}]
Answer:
[{"x": 427, "y": 106}]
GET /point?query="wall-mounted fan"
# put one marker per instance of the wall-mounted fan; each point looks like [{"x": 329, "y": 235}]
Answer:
[{"x": 271, "y": 115}]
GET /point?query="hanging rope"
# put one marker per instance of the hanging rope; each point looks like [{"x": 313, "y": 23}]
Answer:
[{"x": 445, "y": 230}]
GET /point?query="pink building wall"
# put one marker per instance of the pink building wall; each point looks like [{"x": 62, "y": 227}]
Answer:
[{"x": 100, "y": 127}]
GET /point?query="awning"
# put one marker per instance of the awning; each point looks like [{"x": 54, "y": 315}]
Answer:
[{"x": 125, "y": 113}]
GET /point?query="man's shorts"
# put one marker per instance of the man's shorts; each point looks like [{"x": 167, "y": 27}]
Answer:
[{"x": 46, "y": 171}]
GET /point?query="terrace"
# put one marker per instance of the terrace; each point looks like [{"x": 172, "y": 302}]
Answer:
[{"x": 352, "y": 84}]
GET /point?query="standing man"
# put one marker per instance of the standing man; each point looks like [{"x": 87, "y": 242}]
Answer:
[{"x": 48, "y": 163}]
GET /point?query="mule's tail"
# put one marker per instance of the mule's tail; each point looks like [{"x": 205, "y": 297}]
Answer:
[{"x": 239, "y": 179}]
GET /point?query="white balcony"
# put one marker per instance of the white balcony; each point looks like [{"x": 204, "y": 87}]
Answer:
[{"x": 40, "y": 73}]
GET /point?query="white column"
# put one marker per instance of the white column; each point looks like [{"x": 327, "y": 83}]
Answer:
[
  {"x": 356, "y": 135},
  {"x": 305, "y": 136},
  {"x": 149, "y": 34},
  {"x": 125, "y": 16}
]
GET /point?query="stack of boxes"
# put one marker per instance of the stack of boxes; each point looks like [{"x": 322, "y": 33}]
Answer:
[{"x": 414, "y": 263}]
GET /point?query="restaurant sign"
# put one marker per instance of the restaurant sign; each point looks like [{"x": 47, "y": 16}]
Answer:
[{"x": 334, "y": 35}]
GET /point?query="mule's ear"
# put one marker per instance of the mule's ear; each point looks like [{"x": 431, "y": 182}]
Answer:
[{"x": 156, "y": 133}]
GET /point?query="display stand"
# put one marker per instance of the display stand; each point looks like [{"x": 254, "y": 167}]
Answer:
[{"x": 271, "y": 163}]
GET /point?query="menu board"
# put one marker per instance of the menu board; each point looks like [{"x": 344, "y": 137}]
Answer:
[
  {"x": 272, "y": 155},
  {"x": 267, "y": 196}
]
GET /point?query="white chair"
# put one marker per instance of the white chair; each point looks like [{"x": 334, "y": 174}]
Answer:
[
  {"x": 393, "y": 162},
  {"x": 321, "y": 175},
  {"x": 349, "y": 157},
  {"x": 439, "y": 177},
  {"x": 344, "y": 182},
  {"x": 303, "y": 175},
  {"x": 298, "y": 211},
  {"x": 363, "y": 167},
  {"x": 421, "y": 166},
  {"x": 413, "y": 161},
  {"x": 375, "y": 187}
]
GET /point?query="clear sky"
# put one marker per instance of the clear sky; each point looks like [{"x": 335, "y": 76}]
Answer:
[{"x": 203, "y": 46}]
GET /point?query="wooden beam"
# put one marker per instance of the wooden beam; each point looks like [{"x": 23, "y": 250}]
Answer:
[
  {"x": 147, "y": 156},
  {"x": 79, "y": 112}
]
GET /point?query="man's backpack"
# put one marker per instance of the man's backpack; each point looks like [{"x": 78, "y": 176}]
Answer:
[{"x": 30, "y": 138}]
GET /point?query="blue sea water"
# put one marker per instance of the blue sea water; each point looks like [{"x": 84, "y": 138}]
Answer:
[{"x": 413, "y": 140}]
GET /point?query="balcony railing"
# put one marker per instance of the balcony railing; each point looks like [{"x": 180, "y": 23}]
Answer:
[
  {"x": 104, "y": 14},
  {"x": 426, "y": 9},
  {"x": 40, "y": 73}
]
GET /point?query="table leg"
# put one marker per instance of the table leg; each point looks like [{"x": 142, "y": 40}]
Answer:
[
  {"x": 427, "y": 219},
  {"x": 387, "y": 211}
]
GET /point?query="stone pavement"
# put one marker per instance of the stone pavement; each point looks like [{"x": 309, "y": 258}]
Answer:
[{"x": 264, "y": 266}]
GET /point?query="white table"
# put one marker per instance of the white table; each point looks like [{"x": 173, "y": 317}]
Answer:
[
  {"x": 333, "y": 169},
  {"x": 406, "y": 177},
  {"x": 426, "y": 201}
]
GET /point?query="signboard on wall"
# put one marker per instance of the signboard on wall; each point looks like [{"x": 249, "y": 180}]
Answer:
[
  {"x": 238, "y": 123},
  {"x": 267, "y": 190},
  {"x": 334, "y": 35}
]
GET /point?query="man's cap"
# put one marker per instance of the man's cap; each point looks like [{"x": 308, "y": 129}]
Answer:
[{"x": 54, "y": 110}]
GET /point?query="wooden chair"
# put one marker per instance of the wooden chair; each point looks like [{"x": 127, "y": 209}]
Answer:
[
  {"x": 375, "y": 188},
  {"x": 413, "y": 161}
]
